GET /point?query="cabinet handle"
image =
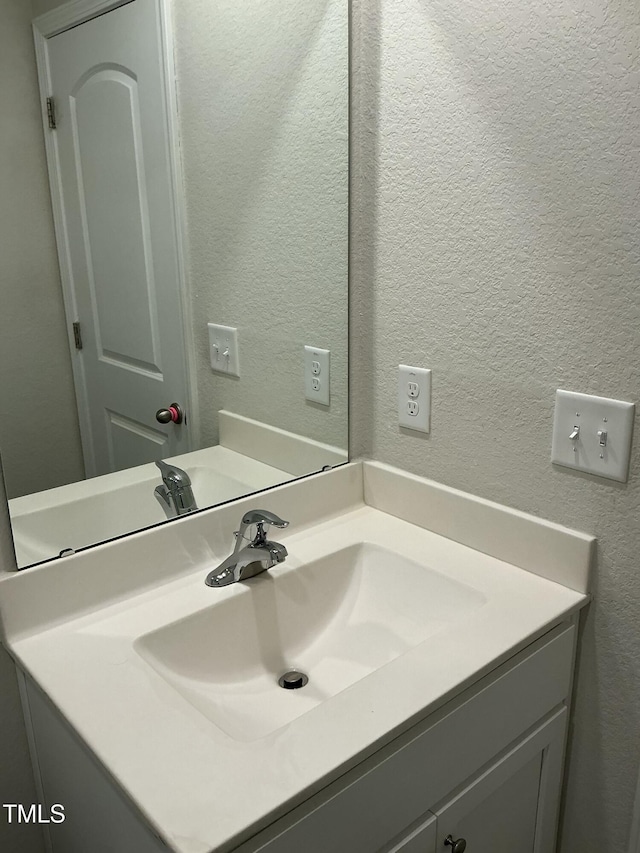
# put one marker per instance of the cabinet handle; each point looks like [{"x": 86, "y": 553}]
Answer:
[{"x": 458, "y": 846}]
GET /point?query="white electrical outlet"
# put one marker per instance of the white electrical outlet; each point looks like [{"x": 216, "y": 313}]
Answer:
[
  {"x": 317, "y": 376},
  {"x": 592, "y": 434},
  {"x": 223, "y": 349},
  {"x": 414, "y": 398}
]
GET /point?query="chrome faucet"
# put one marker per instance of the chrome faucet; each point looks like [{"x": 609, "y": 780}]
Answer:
[
  {"x": 175, "y": 495},
  {"x": 252, "y": 559}
]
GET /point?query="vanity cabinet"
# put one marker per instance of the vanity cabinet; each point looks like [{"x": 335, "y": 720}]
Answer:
[
  {"x": 499, "y": 809},
  {"x": 486, "y": 767}
]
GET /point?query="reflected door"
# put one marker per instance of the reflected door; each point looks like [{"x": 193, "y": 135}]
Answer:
[{"x": 121, "y": 256}]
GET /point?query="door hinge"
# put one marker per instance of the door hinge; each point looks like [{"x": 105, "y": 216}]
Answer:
[
  {"x": 77, "y": 335},
  {"x": 51, "y": 113}
]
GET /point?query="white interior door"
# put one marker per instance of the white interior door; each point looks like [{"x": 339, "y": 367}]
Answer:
[{"x": 114, "y": 174}]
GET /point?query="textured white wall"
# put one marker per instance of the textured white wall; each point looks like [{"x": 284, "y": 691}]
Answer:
[
  {"x": 263, "y": 93},
  {"x": 497, "y": 241},
  {"x": 39, "y": 435}
]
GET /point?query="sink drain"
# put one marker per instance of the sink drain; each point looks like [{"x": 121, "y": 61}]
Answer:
[{"x": 293, "y": 679}]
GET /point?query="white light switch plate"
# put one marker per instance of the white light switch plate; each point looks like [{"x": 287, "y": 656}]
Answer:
[
  {"x": 414, "y": 397},
  {"x": 602, "y": 445},
  {"x": 317, "y": 375},
  {"x": 223, "y": 349}
]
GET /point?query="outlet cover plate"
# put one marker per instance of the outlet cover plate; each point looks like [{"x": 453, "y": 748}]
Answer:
[
  {"x": 223, "y": 349},
  {"x": 317, "y": 375},
  {"x": 414, "y": 398},
  {"x": 593, "y": 415}
]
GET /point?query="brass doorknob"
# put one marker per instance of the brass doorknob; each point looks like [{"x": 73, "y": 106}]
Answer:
[
  {"x": 173, "y": 414},
  {"x": 458, "y": 846}
]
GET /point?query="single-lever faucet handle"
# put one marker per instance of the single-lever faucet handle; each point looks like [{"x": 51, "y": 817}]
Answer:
[
  {"x": 263, "y": 516},
  {"x": 172, "y": 475},
  {"x": 259, "y": 517},
  {"x": 176, "y": 495}
]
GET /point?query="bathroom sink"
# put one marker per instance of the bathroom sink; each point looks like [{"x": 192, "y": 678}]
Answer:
[
  {"x": 168, "y": 680},
  {"x": 337, "y": 619}
]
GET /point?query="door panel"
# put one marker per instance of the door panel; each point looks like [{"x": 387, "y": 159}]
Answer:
[
  {"x": 132, "y": 443},
  {"x": 112, "y": 191},
  {"x": 114, "y": 160}
]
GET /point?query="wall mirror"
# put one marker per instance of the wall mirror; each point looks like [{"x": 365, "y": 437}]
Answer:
[{"x": 174, "y": 227}]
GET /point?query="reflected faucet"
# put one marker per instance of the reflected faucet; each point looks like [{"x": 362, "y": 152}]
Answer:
[
  {"x": 175, "y": 495},
  {"x": 252, "y": 559}
]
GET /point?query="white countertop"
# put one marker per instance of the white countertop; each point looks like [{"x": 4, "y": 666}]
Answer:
[{"x": 187, "y": 775}]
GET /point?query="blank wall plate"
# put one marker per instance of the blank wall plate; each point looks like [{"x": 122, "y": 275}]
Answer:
[
  {"x": 317, "y": 375},
  {"x": 414, "y": 397},
  {"x": 223, "y": 349},
  {"x": 592, "y": 434}
]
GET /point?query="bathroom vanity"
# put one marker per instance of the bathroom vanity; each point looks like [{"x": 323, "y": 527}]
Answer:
[{"x": 438, "y": 632}]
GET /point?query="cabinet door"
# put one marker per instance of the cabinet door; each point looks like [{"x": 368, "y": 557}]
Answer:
[
  {"x": 421, "y": 840},
  {"x": 512, "y": 806},
  {"x": 503, "y": 819}
]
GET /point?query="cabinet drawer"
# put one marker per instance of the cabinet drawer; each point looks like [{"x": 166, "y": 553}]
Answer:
[{"x": 371, "y": 805}]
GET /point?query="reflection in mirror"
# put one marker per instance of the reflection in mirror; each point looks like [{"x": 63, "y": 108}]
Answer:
[{"x": 174, "y": 250}]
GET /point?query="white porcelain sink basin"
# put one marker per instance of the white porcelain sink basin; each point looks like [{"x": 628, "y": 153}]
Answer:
[{"x": 337, "y": 619}]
